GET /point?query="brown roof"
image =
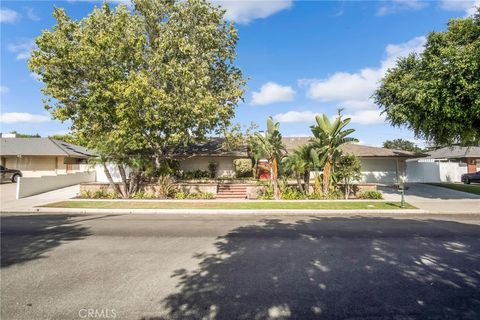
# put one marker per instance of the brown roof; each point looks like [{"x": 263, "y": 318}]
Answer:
[
  {"x": 42, "y": 147},
  {"x": 214, "y": 147}
]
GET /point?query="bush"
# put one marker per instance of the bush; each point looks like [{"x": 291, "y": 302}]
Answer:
[
  {"x": 99, "y": 194},
  {"x": 143, "y": 195},
  {"x": 267, "y": 192},
  {"x": 197, "y": 174},
  {"x": 197, "y": 195},
  {"x": 371, "y": 195},
  {"x": 166, "y": 187},
  {"x": 181, "y": 195},
  {"x": 292, "y": 194},
  {"x": 243, "y": 167}
]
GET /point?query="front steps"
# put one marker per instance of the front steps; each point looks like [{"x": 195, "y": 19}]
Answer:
[{"x": 231, "y": 191}]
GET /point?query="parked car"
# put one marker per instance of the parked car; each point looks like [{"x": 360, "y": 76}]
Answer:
[
  {"x": 471, "y": 177},
  {"x": 9, "y": 174}
]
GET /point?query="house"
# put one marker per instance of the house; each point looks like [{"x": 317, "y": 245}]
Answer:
[
  {"x": 444, "y": 165},
  {"x": 43, "y": 156},
  {"x": 379, "y": 165}
]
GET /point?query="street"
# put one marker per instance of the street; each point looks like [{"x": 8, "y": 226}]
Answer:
[{"x": 154, "y": 267}]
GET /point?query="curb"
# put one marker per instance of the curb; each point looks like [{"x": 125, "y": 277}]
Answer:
[{"x": 215, "y": 211}]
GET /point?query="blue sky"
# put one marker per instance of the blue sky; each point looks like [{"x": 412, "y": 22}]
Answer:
[{"x": 302, "y": 57}]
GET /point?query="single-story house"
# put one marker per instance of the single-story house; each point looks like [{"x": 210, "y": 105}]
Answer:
[
  {"x": 444, "y": 165},
  {"x": 43, "y": 156},
  {"x": 379, "y": 165}
]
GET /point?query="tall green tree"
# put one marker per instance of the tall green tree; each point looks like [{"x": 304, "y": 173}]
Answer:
[
  {"x": 348, "y": 169},
  {"x": 136, "y": 83},
  {"x": 327, "y": 142},
  {"x": 272, "y": 148},
  {"x": 296, "y": 165},
  {"x": 437, "y": 93},
  {"x": 402, "y": 144}
]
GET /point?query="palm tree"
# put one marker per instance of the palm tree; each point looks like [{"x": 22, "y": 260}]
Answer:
[
  {"x": 327, "y": 142},
  {"x": 296, "y": 164},
  {"x": 271, "y": 146}
]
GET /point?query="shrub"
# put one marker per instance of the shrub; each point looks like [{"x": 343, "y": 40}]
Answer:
[
  {"x": 371, "y": 195},
  {"x": 166, "y": 187},
  {"x": 212, "y": 169},
  {"x": 143, "y": 195},
  {"x": 86, "y": 194},
  {"x": 181, "y": 195},
  {"x": 197, "y": 174},
  {"x": 99, "y": 194},
  {"x": 267, "y": 192},
  {"x": 242, "y": 167},
  {"x": 290, "y": 193},
  {"x": 196, "y": 195}
]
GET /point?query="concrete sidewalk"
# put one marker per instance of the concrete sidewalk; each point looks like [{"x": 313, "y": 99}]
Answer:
[{"x": 8, "y": 203}]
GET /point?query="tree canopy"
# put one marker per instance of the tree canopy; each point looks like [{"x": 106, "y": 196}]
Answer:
[
  {"x": 147, "y": 78},
  {"x": 402, "y": 144},
  {"x": 437, "y": 93}
]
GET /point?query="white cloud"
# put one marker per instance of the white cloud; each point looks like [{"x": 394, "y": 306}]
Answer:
[
  {"x": 4, "y": 89},
  {"x": 469, "y": 6},
  {"x": 8, "y": 15},
  {"x": 244, "y": 11},
  {"x": 16, "y": 117},
  {"x": 296, "y": 116},
  {"x": 31, "y": 14},
  {"x": 22, "y": 49},
  {"x": 394, "y": 6},
  {"x": 272, "y": 92},
  {"x": 353, "y": 91},
  {"x": 35, "y": 76},
  {"x": 367, "y": 117}
]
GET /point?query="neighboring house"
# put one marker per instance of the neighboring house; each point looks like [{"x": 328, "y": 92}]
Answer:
[
  {"x": 43, "y": 156},
  {"x": 379, "y": 165},
  {"x": 444, "y": 165}
]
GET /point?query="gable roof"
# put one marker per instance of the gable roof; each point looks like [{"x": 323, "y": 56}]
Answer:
[
  {"x": 359, "y": 150},
  {"x": 454, "y": 152},
  {"x": 214, "y": 147},
  {"x": 42, "y": 147}
]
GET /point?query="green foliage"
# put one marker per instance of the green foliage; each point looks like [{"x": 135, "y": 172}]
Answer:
[
  {"x": 212, "y": 169},
  {"x": 197, "y": 174},
  {"x": 267, "y": 193},
  {"x": 195, "y": 195},
  {"x": 68, "y": 138},
  {"x": 181, "y": 195},
  {"x": 165, "y": 187},
  {"x": 326, "y": 145},
  {"x": 401, "y": 144},
  {"x": 290, "y": 193},
  {"x": 141, "y": 81},
  {"x": 348, "y": 169},
  {"x": 143, "y": 195},
  {"x": 270, "y": 146},
  {"x": 437, "y": 93},
  {"x": 99, "y": 194},
  {"x": 372, "y": 194},
  {"x": 242, "y": 167}
]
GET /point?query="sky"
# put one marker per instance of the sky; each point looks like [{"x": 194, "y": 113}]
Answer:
[{"x": 302, "y": 58}]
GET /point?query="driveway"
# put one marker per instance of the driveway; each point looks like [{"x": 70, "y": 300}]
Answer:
[
  {"x": 9, "y": 203},
  {"x": 436, "y": 199},
  {"x": 152, "y": 267}
]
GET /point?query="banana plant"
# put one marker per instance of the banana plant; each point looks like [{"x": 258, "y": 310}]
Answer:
[{"x": 326, "y": 144}]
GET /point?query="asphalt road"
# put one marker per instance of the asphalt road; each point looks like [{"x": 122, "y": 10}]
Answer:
[{"x": 209, "y": 267}]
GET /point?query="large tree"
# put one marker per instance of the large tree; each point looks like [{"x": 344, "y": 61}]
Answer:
[
  {"x": 139, "y": 82},
  {"x": 437, "y": 93}
]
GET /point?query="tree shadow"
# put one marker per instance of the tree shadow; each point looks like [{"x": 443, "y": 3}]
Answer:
[
  {"x": 25, "y": 238},
  {"x": 335, "y": 268}
]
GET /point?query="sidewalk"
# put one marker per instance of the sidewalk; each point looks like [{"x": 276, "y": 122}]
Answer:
[{"x": 8, "y": 203}]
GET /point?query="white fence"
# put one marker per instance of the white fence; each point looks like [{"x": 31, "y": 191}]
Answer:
[
  {"x": 435, "y": 171},
  {"x": 29, "y": 186}
]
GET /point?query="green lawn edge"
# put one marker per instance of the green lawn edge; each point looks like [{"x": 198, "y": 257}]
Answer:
[
  {"x": 303, "y": 205},
  {"x": 468, "y": 188}
]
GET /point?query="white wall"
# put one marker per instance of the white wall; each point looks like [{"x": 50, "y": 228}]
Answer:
[
  {"x": 29, "y": 186},
  {"x": 225, "y": 165},
  {"x": 100, "y": 172},
  {"x": 379, "y": 170},
  {"x": 421, "y": 171}
]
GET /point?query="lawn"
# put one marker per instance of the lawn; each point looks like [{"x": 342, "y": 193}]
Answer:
[
  {"x": 470, "y": 188},
  {"x": 303, "y": 205}
]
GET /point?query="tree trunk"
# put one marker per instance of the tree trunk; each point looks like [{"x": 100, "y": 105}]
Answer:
[
  {"x": 126, "y": 191},
  {"x": 114, "y": 186},
  {"x": 274, "y": 176},
  {"x": 326, "y": 177},
  {"x": 306, "y": 180},
  {"x": 299, "y": 182}
]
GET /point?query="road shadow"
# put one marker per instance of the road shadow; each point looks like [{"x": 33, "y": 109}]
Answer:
[
  {"x": 25, "y": 238},
  {"x": 334, "y": 268}
]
